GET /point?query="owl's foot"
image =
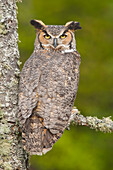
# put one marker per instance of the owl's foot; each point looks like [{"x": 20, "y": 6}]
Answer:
[{"x": 75, "y": 111}]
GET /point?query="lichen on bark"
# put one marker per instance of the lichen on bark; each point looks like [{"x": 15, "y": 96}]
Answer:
[
  {"x": 104, "y": 125},
  {"x": 12, "y": 155}
]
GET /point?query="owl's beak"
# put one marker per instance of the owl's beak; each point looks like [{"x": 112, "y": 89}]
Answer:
[{"x": 55, "y": 42}]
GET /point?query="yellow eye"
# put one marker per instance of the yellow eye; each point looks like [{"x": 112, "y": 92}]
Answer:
[
  {"x": 47, "y": 36},
  {"x": 63, "y": 36}
]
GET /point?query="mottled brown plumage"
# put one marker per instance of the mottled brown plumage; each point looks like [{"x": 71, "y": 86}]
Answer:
[{"x": 48, "y": 86}]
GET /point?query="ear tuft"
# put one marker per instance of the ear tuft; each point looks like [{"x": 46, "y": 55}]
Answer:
[
  {"x": 72, "y": 25},
  {"x": 38, "y": 24}
]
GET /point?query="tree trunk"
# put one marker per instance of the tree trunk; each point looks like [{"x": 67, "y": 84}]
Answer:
[{"x": 12, "y": 155}]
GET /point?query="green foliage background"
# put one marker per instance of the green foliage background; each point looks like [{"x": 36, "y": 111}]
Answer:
[{"x": 80, "y": 148}]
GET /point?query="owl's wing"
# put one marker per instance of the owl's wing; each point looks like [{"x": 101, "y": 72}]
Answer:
[
  {"x": 78, "y": 57},
  {"x": 28, "y": 97},
  {"x": 59, "y": 82},
  {"x": 48, "y": 88}
]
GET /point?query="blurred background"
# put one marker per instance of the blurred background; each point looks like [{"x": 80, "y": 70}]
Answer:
[{"x": 80, "y": 148}]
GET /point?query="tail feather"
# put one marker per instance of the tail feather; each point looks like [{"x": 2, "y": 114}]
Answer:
[{"x": 37, "y": 139}]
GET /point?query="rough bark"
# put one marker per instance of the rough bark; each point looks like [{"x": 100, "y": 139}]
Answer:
[
  {"x": 104, "y": 125},
  {"x": 12, "y": 155}
]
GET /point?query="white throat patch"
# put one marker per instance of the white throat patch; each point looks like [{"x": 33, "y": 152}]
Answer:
[{"x": 68, "y": 51}]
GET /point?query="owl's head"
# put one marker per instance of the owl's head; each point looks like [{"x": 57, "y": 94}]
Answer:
[{"x": 55, "y": 36}]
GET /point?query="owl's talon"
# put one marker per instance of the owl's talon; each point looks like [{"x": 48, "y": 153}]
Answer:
[{"x": 68, "y": 128}]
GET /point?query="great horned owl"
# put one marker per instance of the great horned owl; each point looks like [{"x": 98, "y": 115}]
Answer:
[{"x": 48, "y": 86}]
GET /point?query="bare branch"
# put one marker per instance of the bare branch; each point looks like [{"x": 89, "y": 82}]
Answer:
[{"x": 104, "y": 125}]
